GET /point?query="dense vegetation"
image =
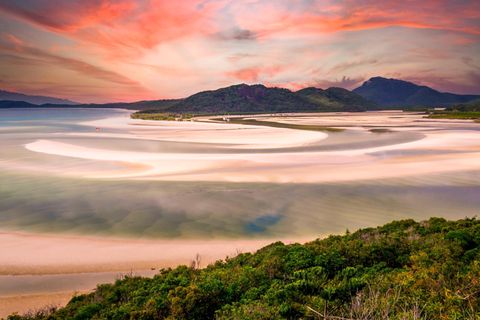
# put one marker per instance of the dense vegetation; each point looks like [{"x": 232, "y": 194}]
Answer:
[
  {"x": 469, "y": 110},
  {"x": 337, "y": 99},
  {"x": 398, "y": 93},
  {"x": 258, "y": 98},
  {"x": 473, "y": 106},
  {"x": 244, "y": 98},
  {"x": 467, "y": 115},
  {"x": 402, "y": 270}
]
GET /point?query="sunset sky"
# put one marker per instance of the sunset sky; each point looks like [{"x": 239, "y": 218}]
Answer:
[{"x": 125, "y": 50}]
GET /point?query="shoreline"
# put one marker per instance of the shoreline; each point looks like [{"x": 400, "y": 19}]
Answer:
[
  {"x": 22, "y": 304},
  {"x": 41, "y": 270},
  {"x": 49, "y": 254}
]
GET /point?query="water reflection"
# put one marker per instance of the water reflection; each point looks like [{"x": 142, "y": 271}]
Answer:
[{"x": 42, "y": 202}]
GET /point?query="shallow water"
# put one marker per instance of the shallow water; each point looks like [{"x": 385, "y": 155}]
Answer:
[
  {"x": 33, "y": 198},
  {"x": 51, "y": 283},
  {"x": 207, "y": 209}
]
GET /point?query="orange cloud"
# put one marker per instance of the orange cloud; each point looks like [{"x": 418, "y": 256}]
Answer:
[
  {"x": 119, "y": 27},
  {"x": 73, "y": 64}
]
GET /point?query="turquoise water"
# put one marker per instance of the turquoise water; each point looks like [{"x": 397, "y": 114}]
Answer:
[{"x": 36, "y": 200}]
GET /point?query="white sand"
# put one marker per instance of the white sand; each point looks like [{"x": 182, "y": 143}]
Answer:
[
  {"x": 31, "y": 253},
  {"x": 41, "y": 254},
  {"x": 288, "y": 166},
  {"x": 246, "y": 136}
]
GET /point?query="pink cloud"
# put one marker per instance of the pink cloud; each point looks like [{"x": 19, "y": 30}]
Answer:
[
  {"x": 254, "y": 74},
  {"x": 467, "y": 84},
  {"x": 69, "y": 63},
  {"x": 349, "y": 15},
  {"x": 344, "y": 82}
]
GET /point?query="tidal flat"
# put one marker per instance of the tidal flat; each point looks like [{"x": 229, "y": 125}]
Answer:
[{"x": 93, "y": 191}]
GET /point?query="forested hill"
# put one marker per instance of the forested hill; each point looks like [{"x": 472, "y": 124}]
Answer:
[
  {"x": 402, "y": 270},
  {"x": 375, "y": 94},
  {"x": 242, "y": 98}
]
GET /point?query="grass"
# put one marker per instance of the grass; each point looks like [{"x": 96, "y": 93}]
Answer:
[
  {"x": 160, "y": 116},
  {"x": 380, "y": 130},
  {"x": 466, "y": 115}
]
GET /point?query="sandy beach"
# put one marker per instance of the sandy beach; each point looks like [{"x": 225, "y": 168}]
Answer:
[
  {"x": 245, "y": 153},
  {"x": 31, "y": 253},
  {"x": 38, "y": 270}
]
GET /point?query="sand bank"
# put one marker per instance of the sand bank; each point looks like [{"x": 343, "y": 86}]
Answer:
[
  {"x": 22, "y": 304},
  {"x": 38, "y": 270},
  {"x": 31, "y": 253},
  {"x": 228, "y": 164}
]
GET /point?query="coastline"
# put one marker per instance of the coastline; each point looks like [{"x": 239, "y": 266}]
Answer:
[
  {"x": 281, "y": 156},
  {"x": 39, "y": 270},
  {"x": 41, "y": 254}
]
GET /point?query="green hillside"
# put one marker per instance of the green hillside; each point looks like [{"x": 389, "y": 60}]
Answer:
[
  {"x": 402, "y": 270},
  {"x": 337, "y": 99},
  {"x": 473, "y": 106},
  {"x": 244, "y": 98},
  {"x": 465, "y": 111}
]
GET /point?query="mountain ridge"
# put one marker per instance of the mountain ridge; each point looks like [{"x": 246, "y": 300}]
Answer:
[
  {"x": 374, "y": 94},
  {"x": 259, "y": 98},
  {"x": 390, "y": 92},
  {"x": 241, "y": 98},
  {"x": 33, "y": 99}
]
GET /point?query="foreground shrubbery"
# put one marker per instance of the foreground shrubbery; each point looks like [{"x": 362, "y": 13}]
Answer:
[{"x": 403, "y": 270}]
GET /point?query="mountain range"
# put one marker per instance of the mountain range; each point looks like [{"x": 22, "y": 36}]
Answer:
[
  {"x": 399, "y": 93},
  {"x": 374, "y": 94},
  {"x": 241, "y": 98},
  {"x": 37, "y": 100},
  {"x": 258, "y": 98}
]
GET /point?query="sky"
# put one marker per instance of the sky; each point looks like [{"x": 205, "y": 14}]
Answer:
[{"x": 128, "y": 50}]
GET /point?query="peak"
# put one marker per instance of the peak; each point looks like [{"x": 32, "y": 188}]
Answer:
[
  {"x": 310, "y": 89},
  {"x": 338, "y": 89},
  {"x": 378, "y": 78},
  {"x": 381, "y": 81},
  {"x": 247, "y": 85}
]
